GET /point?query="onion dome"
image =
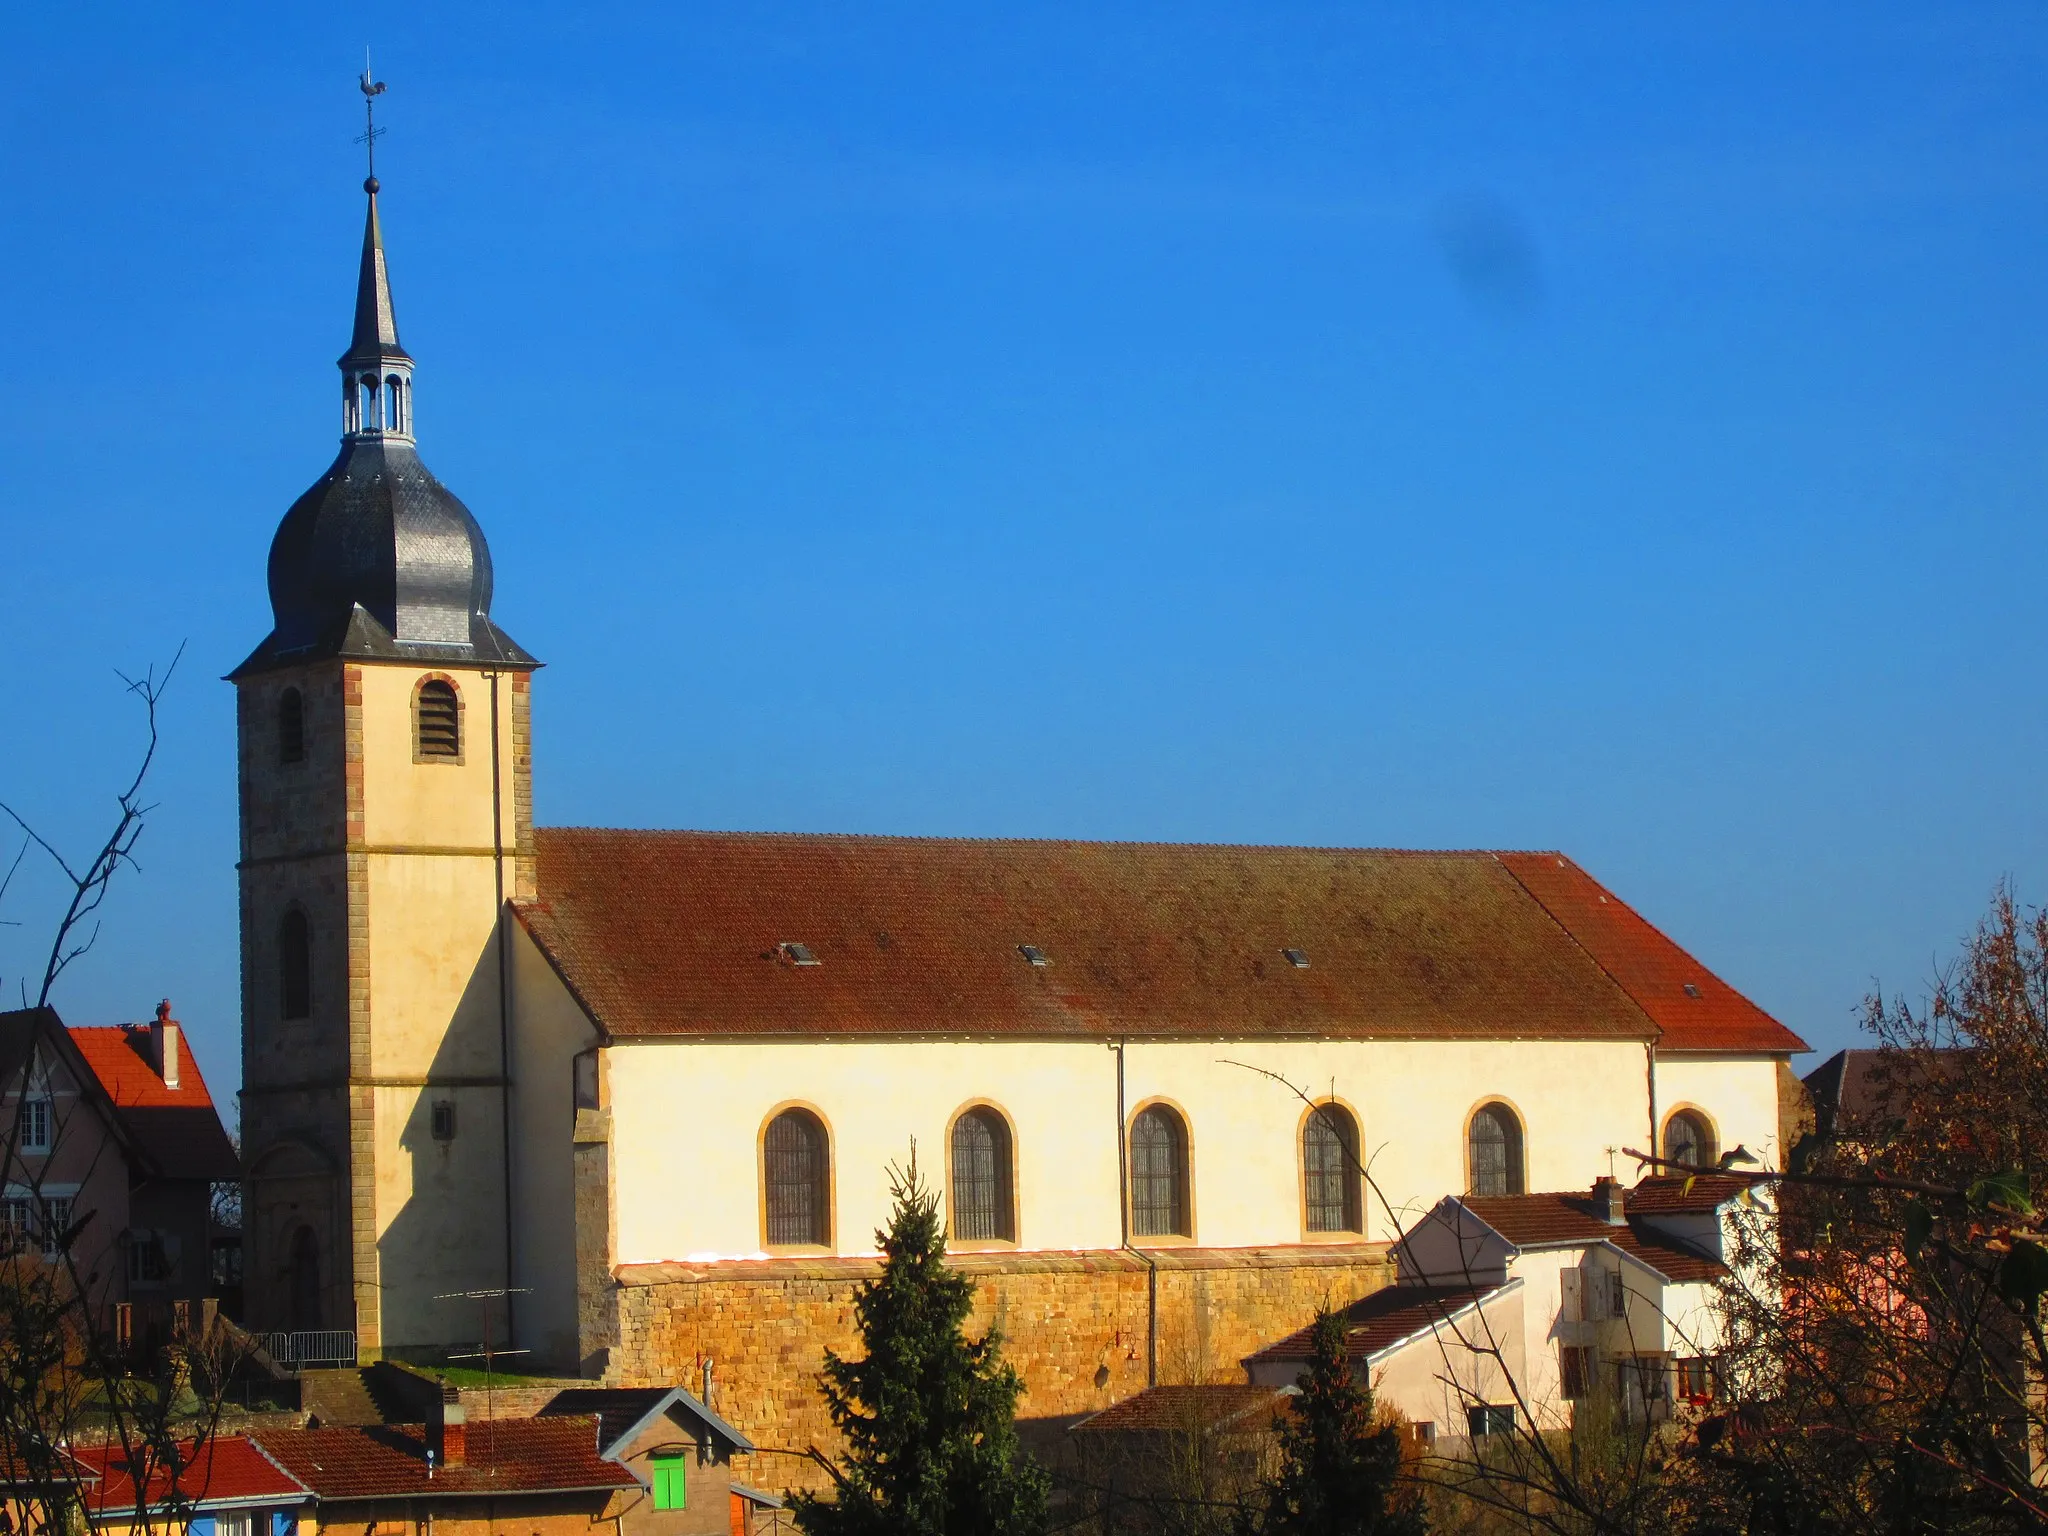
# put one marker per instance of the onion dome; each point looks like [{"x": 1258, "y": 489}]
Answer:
[{"x": 379, "y": 559}]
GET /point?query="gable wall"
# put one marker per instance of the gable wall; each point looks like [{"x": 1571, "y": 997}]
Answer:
[{"x": 1739, "y": 1094}]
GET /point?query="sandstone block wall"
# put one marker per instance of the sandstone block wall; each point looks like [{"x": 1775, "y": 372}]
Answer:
[{"x": 1078, "y": 1328}]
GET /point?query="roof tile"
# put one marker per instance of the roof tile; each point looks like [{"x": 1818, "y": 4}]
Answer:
[
  {"x": 1187, "y": 1409},
  {"x": 666, "y": 933},
  {"x": 177, "y": 1128},
  {"x": 1381, "y": 1320},
  {"x": 546, "y": 1455},
  {"x": 1695, "y": 1010},
  {"x": 221, "y": 1469},
  {"x": 1564, "y": 1219}
]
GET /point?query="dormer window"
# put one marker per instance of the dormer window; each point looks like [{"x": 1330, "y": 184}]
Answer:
[{"x": 437, "y": 716}]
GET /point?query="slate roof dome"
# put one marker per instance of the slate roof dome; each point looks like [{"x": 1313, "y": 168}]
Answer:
[{"x": 379, "y": 559}]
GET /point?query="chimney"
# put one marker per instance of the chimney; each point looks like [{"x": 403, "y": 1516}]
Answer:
[
  {"x": 448, "y": 1431},
  {"x": 1608, "y": 1202},
  {"x": 163, "y": 1044}
]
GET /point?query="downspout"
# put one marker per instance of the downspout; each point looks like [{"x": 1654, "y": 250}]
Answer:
[
  {"x": 1123, "y": 1208},
  {"x": 504, "y": 991},
  {"x": 1650, "y": 1060}
]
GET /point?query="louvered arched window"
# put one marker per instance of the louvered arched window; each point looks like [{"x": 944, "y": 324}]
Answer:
[
  {"x": 1329, "y": 1170},
  {"x": 1160, "y": 1206},
  {"x": 1689, "y": 1139},
  {"x": 982, "y": 1207},
  {"x": 291, "y": 726},
  {"x": 1494, "y": 1150},
  {"x": 796, "y": 1158},
  {"x": 295, "y": 966},
  {"x": 438, "y": 714}
]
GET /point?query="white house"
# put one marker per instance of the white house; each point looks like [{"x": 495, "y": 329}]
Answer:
[{"x": 1524, "y": 1305}]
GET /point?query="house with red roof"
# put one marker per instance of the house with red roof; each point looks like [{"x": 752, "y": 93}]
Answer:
[
  {"x": 114, "y": 1152},
  {"x": 225, "y": 1485},
  {"x": 543, "y": 1476},
  {"x": 1513, "y": 1309}
]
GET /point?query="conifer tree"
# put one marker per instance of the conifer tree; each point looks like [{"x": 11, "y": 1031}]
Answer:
[
  {"x": 1339, "y": 1472},
  {"x": 929, "y": 1415}
]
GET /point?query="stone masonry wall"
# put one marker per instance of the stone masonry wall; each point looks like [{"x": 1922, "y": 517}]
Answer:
[{"x": 1076, "y": 1326}]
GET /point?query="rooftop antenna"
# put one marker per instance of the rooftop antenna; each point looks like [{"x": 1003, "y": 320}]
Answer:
[
  {"x": 489, "y": 1354},
  {"x": 371, "y": 133}
]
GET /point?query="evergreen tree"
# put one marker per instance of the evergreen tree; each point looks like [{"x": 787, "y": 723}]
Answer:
[
  {"x": 1339, "y": 1473},
  {"x": 929, "y": 1416}
]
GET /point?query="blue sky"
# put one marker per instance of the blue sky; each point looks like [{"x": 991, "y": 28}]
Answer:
[{"x": 1615, "y": 429}]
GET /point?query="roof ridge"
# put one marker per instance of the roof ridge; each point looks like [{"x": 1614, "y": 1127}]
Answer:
[
  {"x": 975, "y": 840},
  {"x": 1656, "y": 1029}
]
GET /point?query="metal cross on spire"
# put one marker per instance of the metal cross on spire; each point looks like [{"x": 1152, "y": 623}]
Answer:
[{"x": 371, "y": 90}]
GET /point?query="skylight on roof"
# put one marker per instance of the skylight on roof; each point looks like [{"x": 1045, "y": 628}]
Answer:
[
  {"x": 1692, "y": 989},
  {"x": 800, "y": 954},
  {"x": 1298, "y": 958},
  {"x": 1033, "y": 953}
]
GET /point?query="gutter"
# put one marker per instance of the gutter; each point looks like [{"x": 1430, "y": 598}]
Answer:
[{"x": 1123, "y": 1212}]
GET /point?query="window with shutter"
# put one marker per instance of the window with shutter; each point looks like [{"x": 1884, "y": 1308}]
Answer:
[
  {"x": 671, "y": 1482},
  {"x": 439, "y": 719},
  {"x": 1575, "y": 1369}
]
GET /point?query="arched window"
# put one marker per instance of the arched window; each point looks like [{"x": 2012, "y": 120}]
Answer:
[
  {"x": 291, "y": 726},
  {"x": 797, "y": 1166},
  {"x": 305, "y": 1280},
  {"x": 1689, "y": 1139},
  {"x": 1159, "y": 1175},
  {"x": 981, "y": 1203},
  {"x": 440, "y": 719},
  {"x": 295, "y": 966},
  {"x": 1329, "y": 1170},
  {"x": 1494, "y": 1144}
]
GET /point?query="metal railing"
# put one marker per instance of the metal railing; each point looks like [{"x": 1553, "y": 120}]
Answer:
[{"x": 321, "y": 1346}]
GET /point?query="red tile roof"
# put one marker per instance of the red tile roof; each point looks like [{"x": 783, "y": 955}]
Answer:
[
  {"x": 1567, "y": 1219},
  {"x": 554, "y": 1455},
  {"x": 226, "y": 1469},
  {"x": 1382, "y": 1320},
  {"x": 668, "y": 933},
  {"x": 177, "y": 1129},
  {"x": 1668, "y": 1193},
  {"x": 1648, "y": 965},
  {"x": 1187, "y": 1409}
]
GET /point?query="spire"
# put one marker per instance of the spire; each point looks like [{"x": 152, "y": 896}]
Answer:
[{"x": 376, "y": 334}]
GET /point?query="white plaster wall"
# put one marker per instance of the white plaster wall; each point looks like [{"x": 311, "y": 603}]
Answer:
[
  {"x": 1546, "y": 1329},
  {"x": 441, "y": 803},
  {"x": 1436, "y": 1378},
  {"x": 1738, "y": 1093},
  {"x": 687, "y": 1117},
  {"x": 551, "y": 1029}
]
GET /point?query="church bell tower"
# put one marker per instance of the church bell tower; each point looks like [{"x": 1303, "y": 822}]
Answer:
[{"x": 386, "y": 820}]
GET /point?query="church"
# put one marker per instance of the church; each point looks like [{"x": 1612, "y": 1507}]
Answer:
[{"x": 653, "y": 1083}]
